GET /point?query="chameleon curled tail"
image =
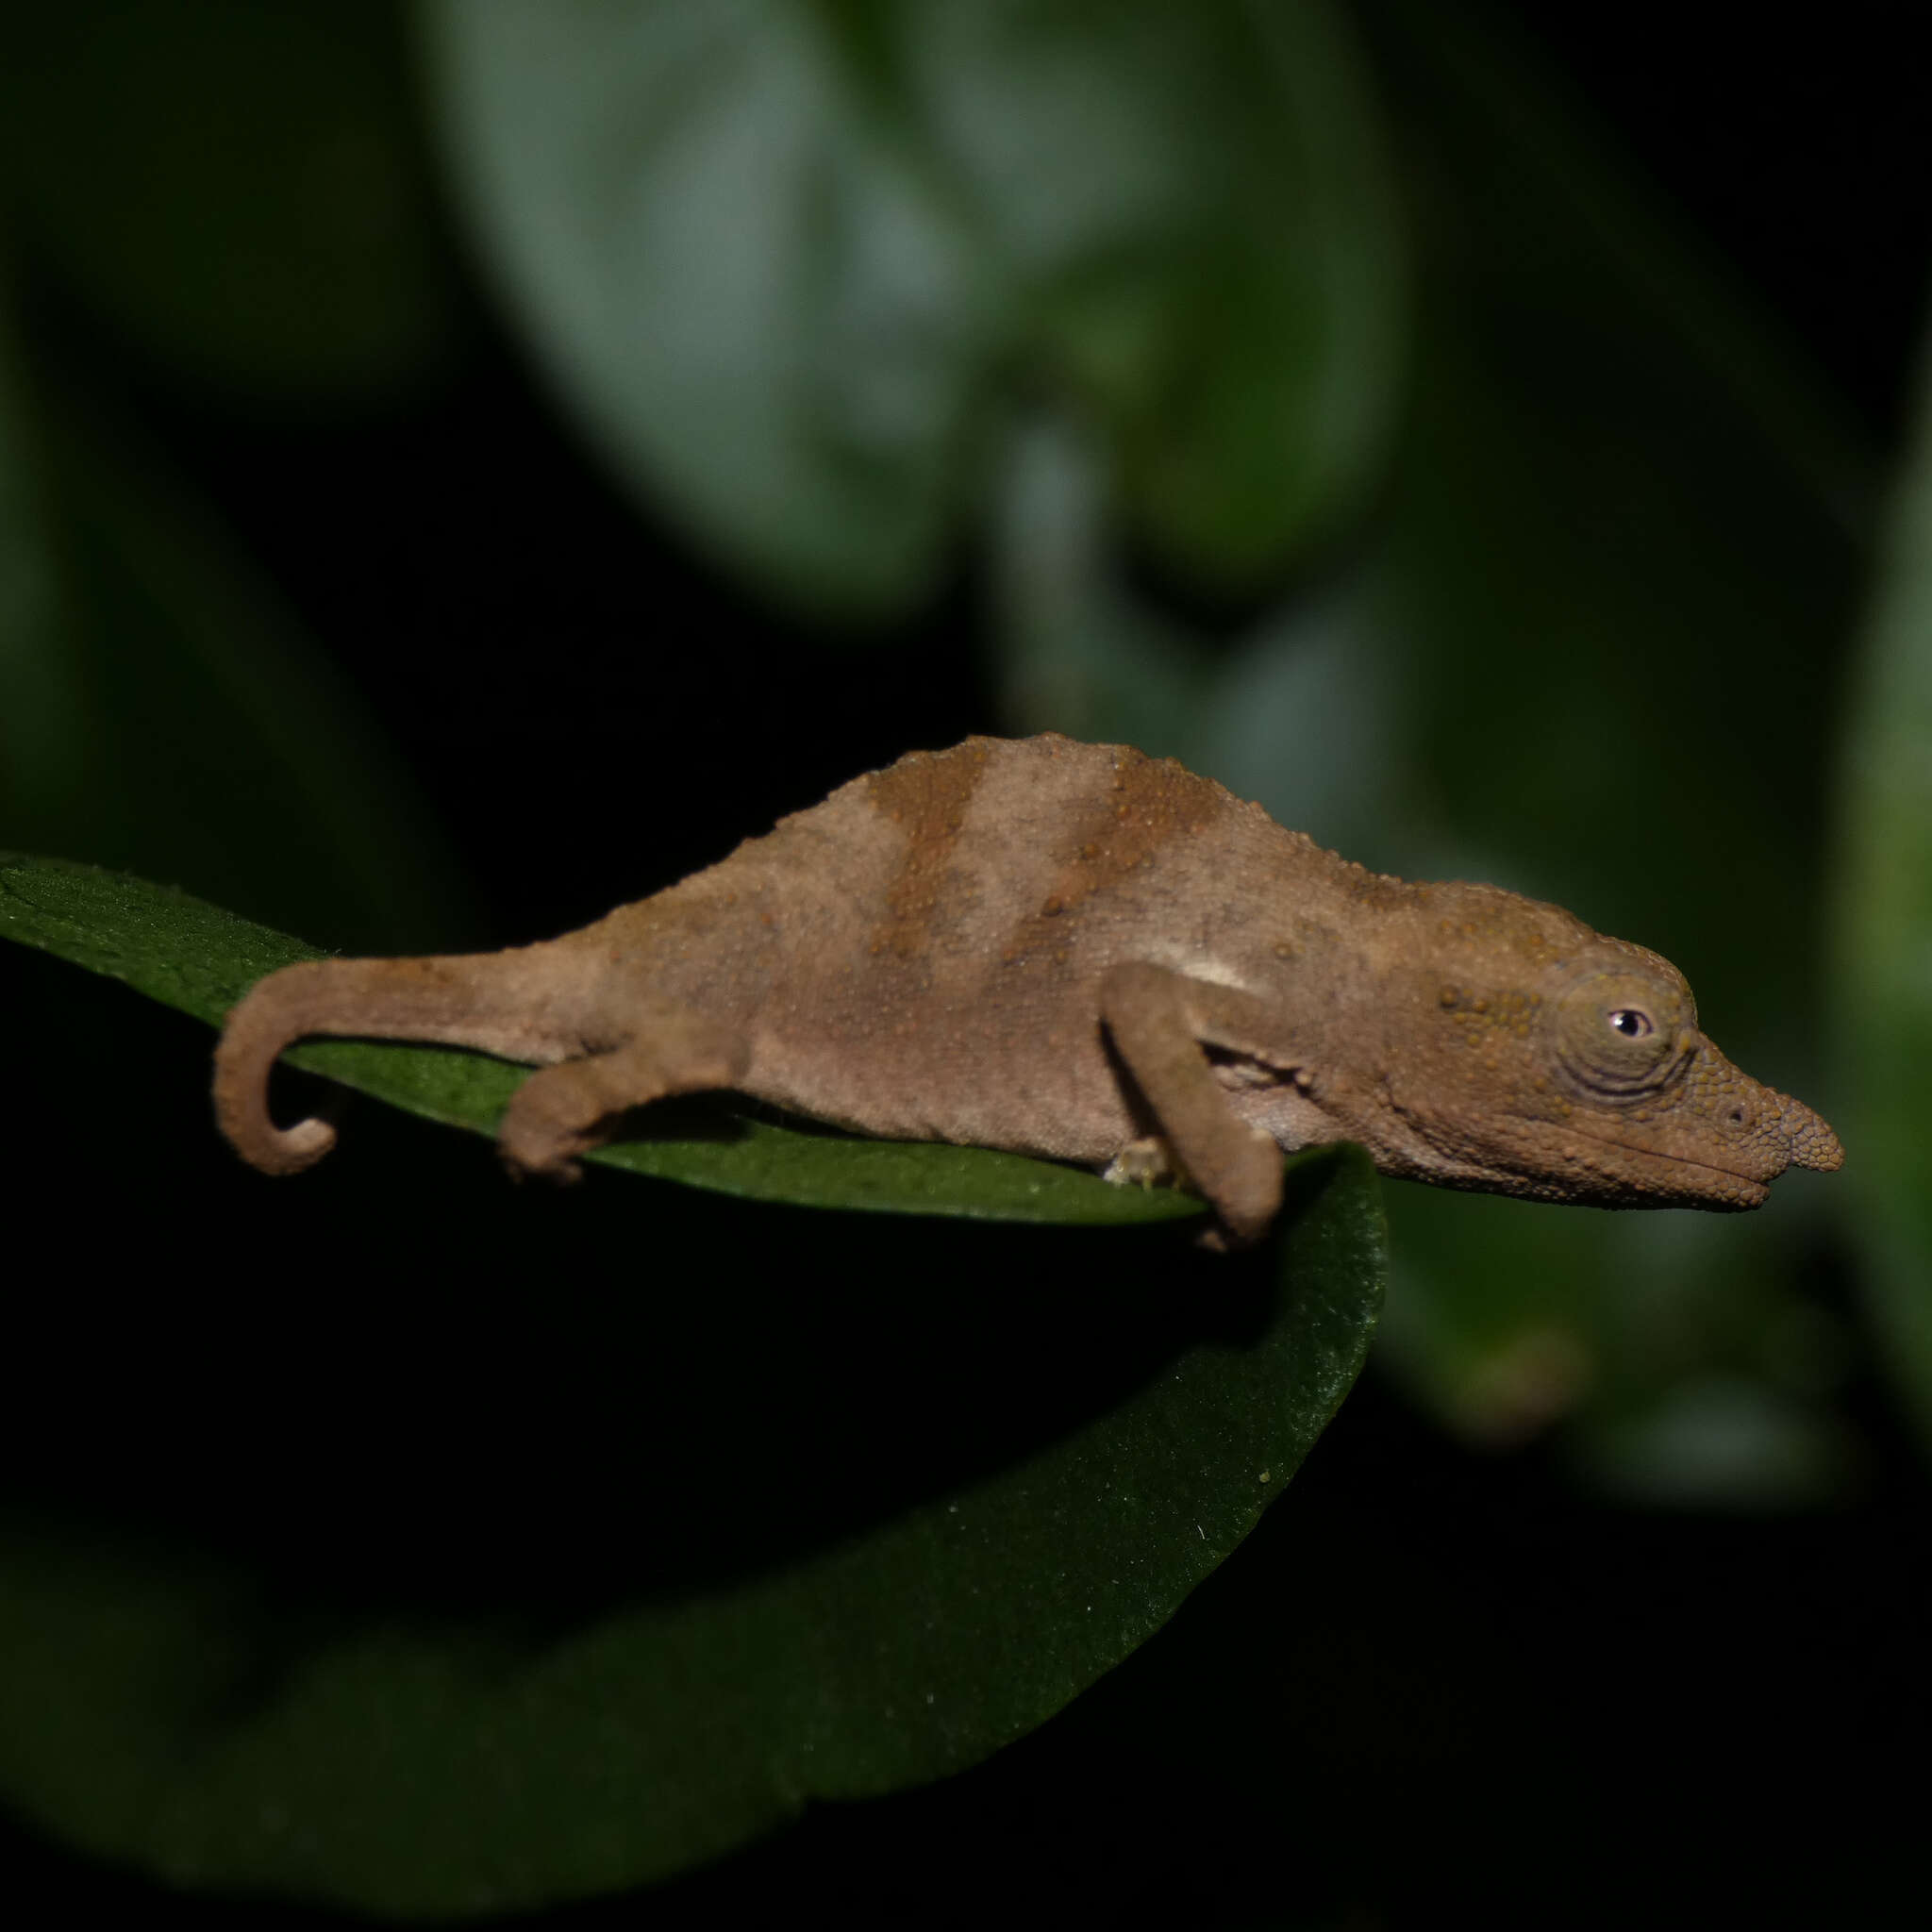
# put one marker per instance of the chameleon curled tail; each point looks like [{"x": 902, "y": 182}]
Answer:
[
  {"x": 478, "y": 1000},
  {"x": 536, "y": 1004}
]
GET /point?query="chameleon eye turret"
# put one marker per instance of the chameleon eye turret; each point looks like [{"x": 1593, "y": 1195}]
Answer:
[{"x": 1622, "y": 1033}]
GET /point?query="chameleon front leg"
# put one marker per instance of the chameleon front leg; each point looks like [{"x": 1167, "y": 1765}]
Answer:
[
  {"x": 1158, "y": 1021},
  {"x": 563, "y": 1111}
]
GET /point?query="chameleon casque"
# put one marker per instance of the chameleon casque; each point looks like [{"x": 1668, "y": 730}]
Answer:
[{"x": 1081, "y": 952}]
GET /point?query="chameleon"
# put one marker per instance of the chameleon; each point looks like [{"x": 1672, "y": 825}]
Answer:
[{"x": 1081, "y": 952}]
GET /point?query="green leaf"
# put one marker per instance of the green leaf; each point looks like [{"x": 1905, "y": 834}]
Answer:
[
  {"x": 779, "y": 256},
  {"x": 631, "y": 1572},
  {"x": 1883, "y": 928},
  {"x": 486, "y": 1653},
  {"x": 1195, "y": 212},
  {"x": 196, "y": 958},
  {"x": 1079, "y": 653}
]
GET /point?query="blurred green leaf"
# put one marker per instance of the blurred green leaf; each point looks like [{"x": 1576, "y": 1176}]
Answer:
[
  {"x": 1617, "y": 538},
  {"x": 239, "y": 191},
  {"x": 1076, "y": 652},
  {"x": 277, "y": 1725},
  {"x": 1578, "y": 651},
  {"x": 160, "y": 710},
  {"x": 778, "y": 256},
  {"x": 1883, "y": 930},
  {"x": 1727, "y": 1443},
  {"x": 195, "y": 956},
  {"x": 1197, "y": 214}
]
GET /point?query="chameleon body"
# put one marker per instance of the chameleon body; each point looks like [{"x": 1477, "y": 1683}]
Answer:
[{"x": 1079, "y": 952}]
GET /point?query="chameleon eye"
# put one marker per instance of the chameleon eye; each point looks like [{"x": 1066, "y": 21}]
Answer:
[{"x": 1620, "y": 1033}]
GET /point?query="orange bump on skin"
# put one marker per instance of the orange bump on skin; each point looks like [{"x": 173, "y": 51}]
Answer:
[{"x": 929, "y": 795}]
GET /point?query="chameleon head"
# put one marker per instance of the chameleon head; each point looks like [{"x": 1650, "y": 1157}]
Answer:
[{"x": 1574, "y": 1069}]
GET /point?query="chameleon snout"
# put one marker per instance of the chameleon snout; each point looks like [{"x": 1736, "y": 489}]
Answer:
[
  {"x": 1769, "y": 1131},
  {"x": 1812, "y": 1144},
  {"x": 1719, "y": 1144}
]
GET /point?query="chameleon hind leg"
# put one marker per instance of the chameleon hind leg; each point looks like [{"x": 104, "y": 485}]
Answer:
[{"x": 563, "y": 1111}]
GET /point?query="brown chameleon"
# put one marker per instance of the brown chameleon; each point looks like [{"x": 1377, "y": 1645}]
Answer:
[{"x": 1081, "y": 952}]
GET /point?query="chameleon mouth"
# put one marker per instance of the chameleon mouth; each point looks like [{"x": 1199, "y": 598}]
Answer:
[{"x": 1741, "y": 1190}]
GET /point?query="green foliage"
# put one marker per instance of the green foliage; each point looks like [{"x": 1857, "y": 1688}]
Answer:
[
  {"x": 787, "y": 262},
  {"x": 1884, "y": 927},
  {"x": 1574, "y": 649},
  {"x": 423, "y": 1764},
  {"x": 182, "y": 1716},
  {"x": 191, "y": 1716},
  {"x": 1322, "y": 403}
]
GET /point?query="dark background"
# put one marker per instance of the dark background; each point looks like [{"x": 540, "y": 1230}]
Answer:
[{"x": 1439, "y": 1670}]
